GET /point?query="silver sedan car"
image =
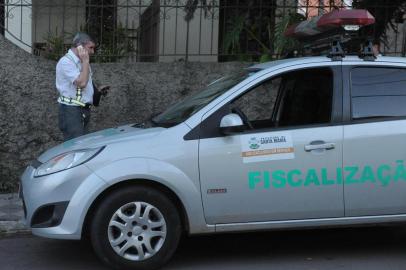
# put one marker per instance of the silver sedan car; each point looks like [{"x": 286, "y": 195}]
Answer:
[{"x": 306, "y": 142}]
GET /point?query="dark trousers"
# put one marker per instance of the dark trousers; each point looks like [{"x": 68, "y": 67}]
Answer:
[{"x": 73, "y": 121}]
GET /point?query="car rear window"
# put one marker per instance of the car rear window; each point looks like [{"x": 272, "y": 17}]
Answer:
[{"x": 378, "y": 92}]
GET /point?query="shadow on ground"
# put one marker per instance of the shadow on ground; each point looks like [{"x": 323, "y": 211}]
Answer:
[{"x": 361, "y": 248}]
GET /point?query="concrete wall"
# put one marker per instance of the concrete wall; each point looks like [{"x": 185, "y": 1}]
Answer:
[{"x": 28, "y": 108}]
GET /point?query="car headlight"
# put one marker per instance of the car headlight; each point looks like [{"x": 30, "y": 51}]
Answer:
[{"x": 66, "y": 161}]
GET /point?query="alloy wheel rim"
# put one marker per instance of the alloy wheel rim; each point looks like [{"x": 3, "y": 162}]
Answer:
[{"x": 137, "y": 231}]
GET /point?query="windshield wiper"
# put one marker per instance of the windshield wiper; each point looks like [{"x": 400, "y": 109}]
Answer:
[
  {"x": 138, "y": 125},
  {"x": 148, "y": 123}
]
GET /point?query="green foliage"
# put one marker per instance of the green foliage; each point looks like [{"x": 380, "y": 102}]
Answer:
[
  {"x": 114, "y": 45},
  {"x": 54, "y": 45},
  {"x": 265, "y": 58},
  {"x": 232, "y": 38},
  {"x": 282, "y": 45},
  {"x": 386, "y": 12}
]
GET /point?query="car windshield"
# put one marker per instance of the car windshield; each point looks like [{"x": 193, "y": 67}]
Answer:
[{"x": 182, "y": 110}]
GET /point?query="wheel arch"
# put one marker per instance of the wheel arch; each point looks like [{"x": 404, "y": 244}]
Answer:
[{"x": 136, "y": 182}]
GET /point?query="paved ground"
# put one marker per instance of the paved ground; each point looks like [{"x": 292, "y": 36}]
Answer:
[
  {"x": 338, "y": 249},
  {"x": 374, "y": 248}
]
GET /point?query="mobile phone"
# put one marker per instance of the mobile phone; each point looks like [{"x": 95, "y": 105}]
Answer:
[{"x": 80, "y": 47}]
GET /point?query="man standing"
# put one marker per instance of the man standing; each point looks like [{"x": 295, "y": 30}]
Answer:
[{"x": 76, "y": 89}]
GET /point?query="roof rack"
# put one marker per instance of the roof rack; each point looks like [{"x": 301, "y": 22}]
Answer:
[
  {"x": 340, "y": 47},
  {"x": 337, "y": 53},
  {"x": 336, "y": 34},
  {"x": 367, "y": 52}
]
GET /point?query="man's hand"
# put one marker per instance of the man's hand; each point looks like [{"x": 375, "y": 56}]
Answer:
[
  {"x": 83, "y": 54},
  {"x": 104, "y": 89}
]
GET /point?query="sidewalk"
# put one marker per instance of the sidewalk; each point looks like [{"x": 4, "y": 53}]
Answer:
[{"x": 11, "y": 214}]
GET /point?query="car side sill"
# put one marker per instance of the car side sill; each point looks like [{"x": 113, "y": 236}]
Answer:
[{"x": 309, "y": 223}]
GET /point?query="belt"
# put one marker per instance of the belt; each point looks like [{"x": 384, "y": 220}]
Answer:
[{"x": 86, "y": 106}]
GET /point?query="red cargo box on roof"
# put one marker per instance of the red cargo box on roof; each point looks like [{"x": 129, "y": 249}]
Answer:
[
  {"x": 338, "y": 18},
  {"x": 330, "y": 21}
]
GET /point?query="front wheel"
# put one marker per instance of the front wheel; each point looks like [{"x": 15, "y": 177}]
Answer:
[{"x": 135, "y": 228}]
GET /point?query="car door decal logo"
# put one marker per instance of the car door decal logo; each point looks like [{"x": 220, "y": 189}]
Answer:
[
  {"x": 253, "y": 143},
  {"x": 267, "y": 146}
]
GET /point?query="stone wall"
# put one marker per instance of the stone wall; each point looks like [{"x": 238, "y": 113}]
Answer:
[{"x": 28, "y": 108}]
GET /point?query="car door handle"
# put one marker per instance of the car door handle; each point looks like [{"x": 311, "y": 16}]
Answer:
[{"x": 317, "y": 145}]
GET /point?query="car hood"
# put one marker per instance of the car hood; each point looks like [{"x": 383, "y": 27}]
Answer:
[{"x": 101, "y": 138}]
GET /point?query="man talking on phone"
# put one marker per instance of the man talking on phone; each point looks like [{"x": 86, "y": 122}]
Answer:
[{"x": 77, "y": 92}]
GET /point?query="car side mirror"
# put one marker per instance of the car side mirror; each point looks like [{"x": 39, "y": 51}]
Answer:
[{"x": 231, "y": 124}]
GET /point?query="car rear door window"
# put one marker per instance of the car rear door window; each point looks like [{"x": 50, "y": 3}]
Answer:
[{"x": 378, "y": 92}]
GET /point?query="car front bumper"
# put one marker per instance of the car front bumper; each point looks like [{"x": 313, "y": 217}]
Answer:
[{"x": 56, "y": 205}]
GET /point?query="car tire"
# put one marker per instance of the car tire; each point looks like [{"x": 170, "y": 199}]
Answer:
[{"x": 135, "y": 227}]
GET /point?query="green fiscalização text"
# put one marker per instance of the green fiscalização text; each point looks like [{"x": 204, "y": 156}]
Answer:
[{"x": 381, "y": 175}]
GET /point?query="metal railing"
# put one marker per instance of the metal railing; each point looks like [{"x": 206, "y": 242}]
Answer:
[{"x": 175, "y": 30}]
